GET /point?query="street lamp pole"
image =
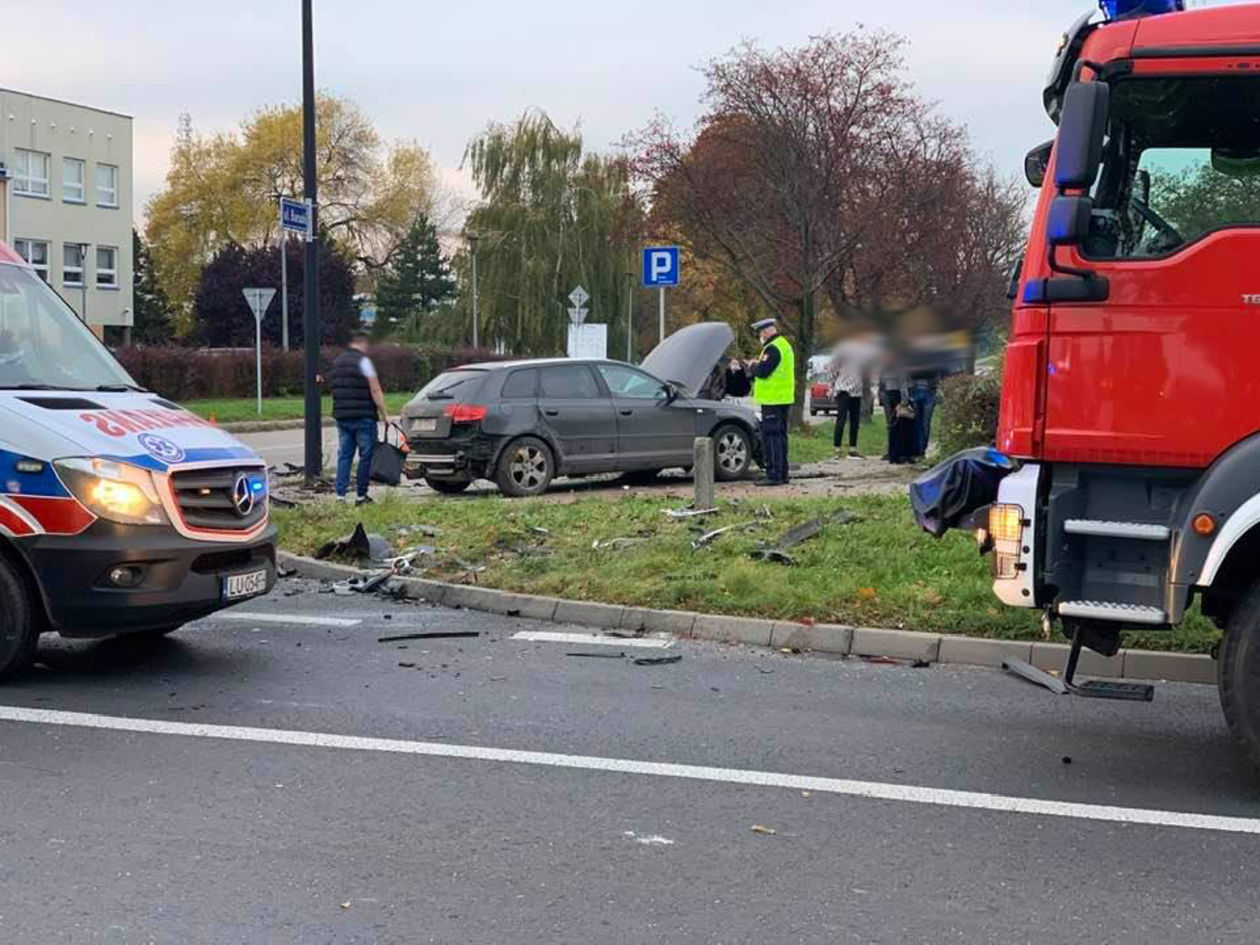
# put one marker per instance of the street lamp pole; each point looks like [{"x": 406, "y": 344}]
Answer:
[
  {"x": 629, "y": 317},
  {"x": 473, "y": 239},
  {"x": 310, "y": 276}
]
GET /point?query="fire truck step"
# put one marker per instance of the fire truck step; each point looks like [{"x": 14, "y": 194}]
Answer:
[
  {"x": 1140, "y": 531},
  {"x": 1120, "y": 613}
]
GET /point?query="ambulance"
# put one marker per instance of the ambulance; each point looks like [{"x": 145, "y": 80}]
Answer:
[{"x": 120, "y": 512}]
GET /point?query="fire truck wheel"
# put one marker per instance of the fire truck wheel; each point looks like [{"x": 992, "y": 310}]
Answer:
[
  {"x": 19, "y": 631},
  {"x": 1238, "y": 674}
]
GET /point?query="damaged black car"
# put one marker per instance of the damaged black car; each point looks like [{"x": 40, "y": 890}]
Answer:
[{"x": 520, "y": 424}]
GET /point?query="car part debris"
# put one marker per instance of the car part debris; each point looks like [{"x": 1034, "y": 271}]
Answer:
[
  {"x": 283, "y": 572},
  {"x": 599, "y": 656},
  {"x": 657, "y": 660},
  {"x": 358, "y": 545},
  {"x": 615, "y": 544},
  {"x": 431, "y": 635},
  {"x": 764, "y": 831},
  {"x": 425, "y": 531},
  {"x": 709, "y": 538},
  {"x": 537, "y": 530},
  {"x": 689, "y": 513},
  {"x": 775, "y": 555},
  {"x": 764, "y": 512}
]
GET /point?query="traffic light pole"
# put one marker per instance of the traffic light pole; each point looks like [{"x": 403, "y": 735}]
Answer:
[{"x": 310, "y": 275}]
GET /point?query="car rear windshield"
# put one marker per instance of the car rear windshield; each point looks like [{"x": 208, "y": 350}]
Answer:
[{"x": 460, "y": 385}]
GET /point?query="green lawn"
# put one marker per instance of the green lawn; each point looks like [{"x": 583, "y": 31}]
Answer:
[
  {"x": 880, "y": 571},
  {"x": 273, "y": 408},
  {"x": 814, "y": 444}
]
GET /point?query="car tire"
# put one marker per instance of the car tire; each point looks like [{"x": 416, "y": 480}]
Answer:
[
  {"x": 732, "y": 452},
  {"x": 526, "y": 467},
  {"x": 447, "y": 486},
  {"x": 19, "y": 627},
  {"x": 1238, "y": 675}
]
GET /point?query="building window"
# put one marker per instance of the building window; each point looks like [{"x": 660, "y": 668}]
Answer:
[
  {"x": 73, "y": 259},
  {"x": 106, "y": 267},
  {"x": 73, "y": 172},
  {"x": 106, "y": 185},
  {"x": 34, "y": 252},
  {"x": 31, "y": 174}
]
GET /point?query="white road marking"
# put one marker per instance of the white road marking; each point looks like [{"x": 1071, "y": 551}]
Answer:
[
  {"x": 904, "y": 793},
  {"x": 655, "y": 840},
  {"x": 293, "y": 619},
  {"x": 590, "y": 639}
]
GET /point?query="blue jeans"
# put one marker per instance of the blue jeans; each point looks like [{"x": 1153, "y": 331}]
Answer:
[
  {"x": 924, "y": 401},
  {"x": 355, "y": 435}
]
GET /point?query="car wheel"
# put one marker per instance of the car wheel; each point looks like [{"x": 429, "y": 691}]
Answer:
[
  {"x": 447, "y": 486},
  {"x": 525, "y": 468},
  {"x": 19, "y": 631},
  {"x": 732, "y": 453}
]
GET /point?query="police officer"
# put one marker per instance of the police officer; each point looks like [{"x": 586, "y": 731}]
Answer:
[{"x": 774, "y": 390}]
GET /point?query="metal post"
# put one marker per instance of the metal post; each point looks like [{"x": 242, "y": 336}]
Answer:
[
  {"x": 662, "y": 290},
  {"x": 629, "y": 317},
  {"x": 310, "y": 275},
  {"x": 284, "y": 289},
  {"x": 476, "y": 328},
  {"x": 702, "y": 469},
  {"x": 83, "y": 250},
  {"x": 258, "y": 360}
]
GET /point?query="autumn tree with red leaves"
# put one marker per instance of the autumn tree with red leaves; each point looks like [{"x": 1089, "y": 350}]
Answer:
[{"x": 817, "y": 173}]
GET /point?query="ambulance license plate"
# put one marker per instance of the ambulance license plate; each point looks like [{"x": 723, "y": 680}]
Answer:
[{"x": 250, "y": 584}]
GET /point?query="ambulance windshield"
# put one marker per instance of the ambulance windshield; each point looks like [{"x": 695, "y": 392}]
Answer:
[{"x": 44, "y": 345}]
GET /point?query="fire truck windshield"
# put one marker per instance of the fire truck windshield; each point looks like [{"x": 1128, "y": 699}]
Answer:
[{"x": 1181, "y": 159}]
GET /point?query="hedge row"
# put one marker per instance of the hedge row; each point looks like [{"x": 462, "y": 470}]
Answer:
[
  {"x": 969, "y": 412},
  {"x": 194, "y": 373}
]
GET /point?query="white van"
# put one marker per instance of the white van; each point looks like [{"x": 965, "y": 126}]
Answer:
[{"x": 120, "y": 512}]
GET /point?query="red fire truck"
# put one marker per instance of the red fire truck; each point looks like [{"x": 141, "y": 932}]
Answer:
[{"x": 1130, "y": 416}]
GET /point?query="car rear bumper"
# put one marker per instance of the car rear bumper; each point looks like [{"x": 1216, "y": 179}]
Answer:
[
  {"x": 469, "y": 458},
  {"x": 182, "y": 578}
]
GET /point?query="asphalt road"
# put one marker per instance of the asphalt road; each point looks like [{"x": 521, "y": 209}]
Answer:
[{"x": 252, "y": 803}]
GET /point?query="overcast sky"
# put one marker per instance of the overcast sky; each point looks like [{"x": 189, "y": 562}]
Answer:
[{"x": 437, "y": 72}]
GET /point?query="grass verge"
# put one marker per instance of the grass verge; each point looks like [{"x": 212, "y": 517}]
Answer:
[
  {"x": 879, "y": 571},
  {"x": 239, "y": 409}
]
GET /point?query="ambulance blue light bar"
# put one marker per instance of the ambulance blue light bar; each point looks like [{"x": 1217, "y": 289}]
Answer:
[{"x": 1131, "y": 9}]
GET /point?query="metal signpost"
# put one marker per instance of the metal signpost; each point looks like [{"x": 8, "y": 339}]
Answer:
[
  {"x": 660, "y": 271},
  {"x": 259, "y": 301},
  {"x": 311, "y": 330},
  {"x": 585, "y": 341},
  {"x": 295, "y": 217}
]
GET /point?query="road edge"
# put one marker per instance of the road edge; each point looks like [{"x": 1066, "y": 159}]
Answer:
[
  {"x": 268, "y": 426},
  {"x": 833, "y": 639}
]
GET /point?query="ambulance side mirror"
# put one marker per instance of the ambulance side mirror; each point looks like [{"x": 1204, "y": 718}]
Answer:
[{"x": 1086, "y": 107}]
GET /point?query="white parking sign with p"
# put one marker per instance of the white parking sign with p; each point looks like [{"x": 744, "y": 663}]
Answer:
[{"x": 660, "y": 266}]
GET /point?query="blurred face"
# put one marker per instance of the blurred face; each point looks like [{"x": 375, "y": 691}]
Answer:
[
  {"x": 358, "y": 344},
  {"x": 767, "y": 333}
]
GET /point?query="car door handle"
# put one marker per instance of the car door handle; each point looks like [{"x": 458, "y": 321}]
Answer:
[
  {"x": 625, "y": 413},
  {"x": 552, "y": 413}
]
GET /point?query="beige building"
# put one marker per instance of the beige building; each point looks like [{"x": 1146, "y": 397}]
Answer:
[{"x": 65, "y": 200}]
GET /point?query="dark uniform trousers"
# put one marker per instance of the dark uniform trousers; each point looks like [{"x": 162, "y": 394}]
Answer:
[{"x": 774, "y": 439}]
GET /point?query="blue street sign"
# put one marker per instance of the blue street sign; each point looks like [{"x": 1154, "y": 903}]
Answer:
[
  {"x": 295, "y": 215},
  {"x": 660, "y": 266}
]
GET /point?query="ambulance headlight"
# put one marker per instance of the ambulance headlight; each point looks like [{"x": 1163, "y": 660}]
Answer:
[{"x": 116, "y": 492}]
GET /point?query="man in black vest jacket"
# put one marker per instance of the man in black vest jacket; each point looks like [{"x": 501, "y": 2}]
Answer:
[{"x": 358, "y": 403}]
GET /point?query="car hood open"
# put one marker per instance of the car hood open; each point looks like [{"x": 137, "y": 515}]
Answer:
[{"x": 689, "y": 355}]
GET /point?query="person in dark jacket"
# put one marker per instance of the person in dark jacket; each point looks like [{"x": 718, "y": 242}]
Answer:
[{"x": 358, "y": 403}]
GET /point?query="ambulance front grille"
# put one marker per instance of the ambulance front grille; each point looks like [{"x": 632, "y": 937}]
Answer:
[{"x": 214, "y": 498}]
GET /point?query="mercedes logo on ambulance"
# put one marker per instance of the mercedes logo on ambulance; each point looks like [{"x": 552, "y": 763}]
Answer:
[{"x": 242, "y": 496}]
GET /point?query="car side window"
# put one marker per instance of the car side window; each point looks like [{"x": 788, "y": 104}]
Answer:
[
  {"x": 569, "y": 382},
  {"x": 627, "y": 382},
  {"x": 521, "y": 385}
]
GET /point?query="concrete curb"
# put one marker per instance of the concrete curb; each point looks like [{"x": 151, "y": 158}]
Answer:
[
  {"x": 947, "y": 649},
  {"x": 268, "y": 426}
]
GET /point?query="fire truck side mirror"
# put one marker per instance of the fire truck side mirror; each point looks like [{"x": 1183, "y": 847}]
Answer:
[
  {"x": 1035, "y": 163},
  {"x": 1081, "y": 129},
  {"x": 1067, "y": 223}
]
